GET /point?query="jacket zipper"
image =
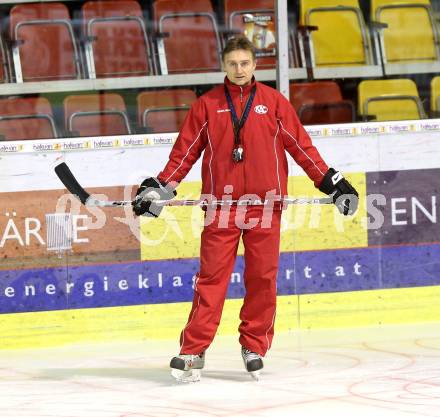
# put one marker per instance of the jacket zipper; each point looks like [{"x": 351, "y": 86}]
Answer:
[{"x": 242, "y": 144}]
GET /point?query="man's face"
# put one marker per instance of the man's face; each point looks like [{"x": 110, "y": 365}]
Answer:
[{"x": 239, "y": 66}]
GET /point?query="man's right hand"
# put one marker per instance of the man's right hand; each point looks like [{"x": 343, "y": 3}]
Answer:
[{"x": 151, "y": 189}]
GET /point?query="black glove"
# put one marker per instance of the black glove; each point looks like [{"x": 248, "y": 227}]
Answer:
[
  {"x": 344, "y": 196},
  {"x": 151, "y": 189}
]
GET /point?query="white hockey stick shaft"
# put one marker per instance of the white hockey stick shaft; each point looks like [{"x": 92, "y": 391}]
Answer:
[
  {"x": 91, "y": 202},
  {"x": 68, "y": 179}
]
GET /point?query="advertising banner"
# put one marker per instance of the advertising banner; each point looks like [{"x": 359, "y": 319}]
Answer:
[{"x": 56, "y": 254}]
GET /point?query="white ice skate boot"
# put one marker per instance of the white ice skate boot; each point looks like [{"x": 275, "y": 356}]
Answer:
[
  {"x": 186, "y": 368},
  {"x": 253, "y": 362}
]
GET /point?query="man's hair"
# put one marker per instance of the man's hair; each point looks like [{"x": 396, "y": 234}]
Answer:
[{"x": 236, "y": 43}]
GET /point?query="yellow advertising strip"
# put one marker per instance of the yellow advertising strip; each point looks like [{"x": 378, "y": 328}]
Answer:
[
  {"x": 154, "y": 321},
  {"x": 165, "y": 321},
  {"x": 42, "y": 146},
  {"x": 176, "y": 233},
  {"x": 370, "y": 308},
  {"x": 317, "y": 227}
]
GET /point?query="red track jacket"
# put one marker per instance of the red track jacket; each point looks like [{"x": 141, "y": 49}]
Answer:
[{"x": 271, "y": 128}]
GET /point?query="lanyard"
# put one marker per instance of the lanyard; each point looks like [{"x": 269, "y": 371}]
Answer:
[{"x": 238, "y": 124}]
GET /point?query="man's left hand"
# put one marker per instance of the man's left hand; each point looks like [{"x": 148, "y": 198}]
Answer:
[{"x": 344, "y": 195}]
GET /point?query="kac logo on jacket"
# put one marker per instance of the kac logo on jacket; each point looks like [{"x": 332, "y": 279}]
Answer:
[{"x": 260, "y": 109}]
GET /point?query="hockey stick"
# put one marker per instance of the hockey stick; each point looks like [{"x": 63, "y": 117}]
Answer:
[{"x": 68, "y": 179}]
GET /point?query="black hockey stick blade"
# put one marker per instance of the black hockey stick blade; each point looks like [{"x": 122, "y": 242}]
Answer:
[{"x": 68, "y": 179}]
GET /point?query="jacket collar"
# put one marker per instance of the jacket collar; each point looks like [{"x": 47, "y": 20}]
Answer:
[{"x": 234, "y": 88}]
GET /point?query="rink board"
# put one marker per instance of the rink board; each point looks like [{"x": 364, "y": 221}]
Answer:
[
  {"x": 165, "y": 321},
  {"x": 128, "y": 279},
  {"x": 172, "y": 281}
]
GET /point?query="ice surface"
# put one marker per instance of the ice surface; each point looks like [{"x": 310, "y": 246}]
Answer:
[{"x": 384, "y": 371}]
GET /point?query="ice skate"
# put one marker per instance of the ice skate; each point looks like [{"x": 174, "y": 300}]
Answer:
[
  {"x": 253, "y": 362},
  {"x": 187, "y": 368}
]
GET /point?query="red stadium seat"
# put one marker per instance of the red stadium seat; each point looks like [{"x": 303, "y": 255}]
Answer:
[
  {"x": 321, "y": 102},
  {"x": 188, "y": 39},
  {"x": 316, "y": 92},
  {"x": 256, "y": 20},
  {"x": 4, "y": 72},
  {"x": 96, "y": 115},
  {"x": 43, "y": 30},
  {"x": 327, "y": 113},
  {"x": 116, "y": 39},
  {"x": 26, "y": 118},
  {"x": 163, "y": 111}
]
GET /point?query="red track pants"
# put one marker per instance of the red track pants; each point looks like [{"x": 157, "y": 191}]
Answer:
[{"x": 219, "y": 243}]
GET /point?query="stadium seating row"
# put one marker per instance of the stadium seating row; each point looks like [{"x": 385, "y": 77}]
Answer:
[
  {"x": 163, "y": 111},
  {"x": 321, "y": 102},
  {"x": 114, "y": 40},
  {"x": 402, "y": 37},
  {"x": 93, "y": 115}
]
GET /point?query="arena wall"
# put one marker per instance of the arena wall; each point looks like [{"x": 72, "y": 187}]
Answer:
[{"x": 124, "y": 278}]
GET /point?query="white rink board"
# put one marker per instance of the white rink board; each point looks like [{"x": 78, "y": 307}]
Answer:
[{"x": 111, "y": 161}]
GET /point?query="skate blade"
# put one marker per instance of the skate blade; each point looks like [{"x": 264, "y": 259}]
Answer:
[
  {"x": 193, "y": 375},
  {"x": 255, "y": 375}
]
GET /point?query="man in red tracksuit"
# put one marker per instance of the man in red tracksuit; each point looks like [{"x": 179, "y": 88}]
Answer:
[{"x": 243, "y": 129}]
